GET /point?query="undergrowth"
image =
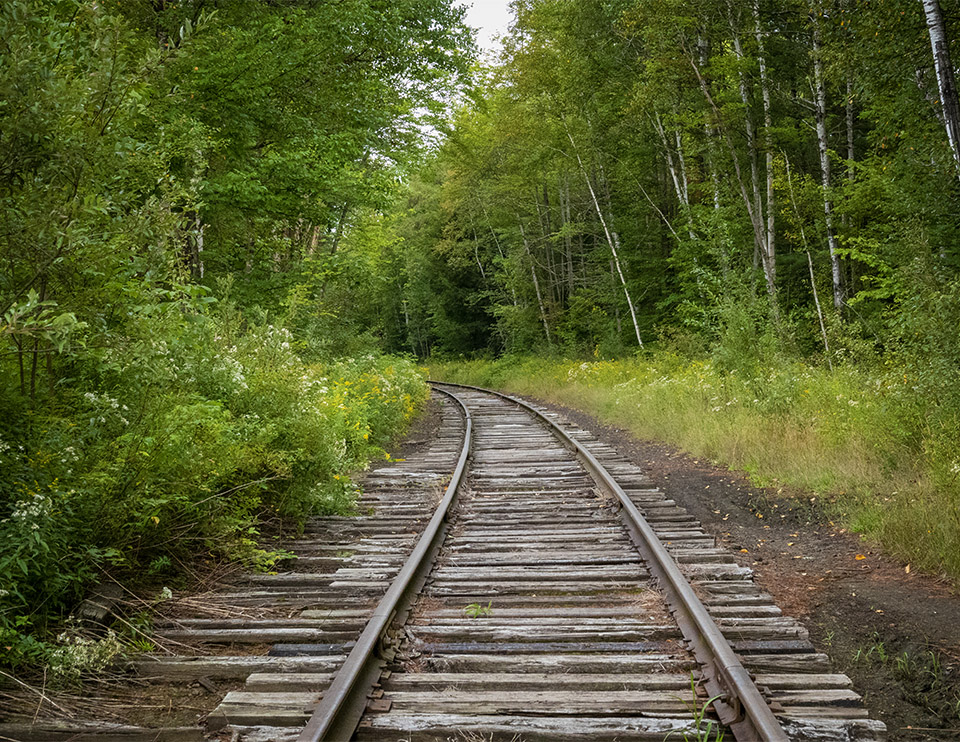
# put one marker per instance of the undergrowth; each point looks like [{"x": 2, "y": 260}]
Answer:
[
  {"x": 864, "y": 440},
  {"x": 175, "y": 441}
]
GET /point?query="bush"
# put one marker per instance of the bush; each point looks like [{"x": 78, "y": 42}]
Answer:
[{"x": 186, "y": 434}]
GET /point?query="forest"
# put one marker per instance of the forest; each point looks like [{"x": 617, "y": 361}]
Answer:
[
  {"x": 230, "y": 231},
  {"x": 732, "y": 226},
  {"x": 186, "y": 191}
]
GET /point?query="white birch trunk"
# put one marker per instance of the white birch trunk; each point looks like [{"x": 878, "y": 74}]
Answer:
[
  {"x": 536, "y": 282},
  {"x": 813, "y": 282},
  {"x": 756, "y": 220},
  {"x": 476, "y": 255},
  {"x": 612, "y": 239},
  {"x": 683, "y": 168},
  {"x": 771, "y": 233},
  {"x": 946, "y": 82},
  {"x": 820, "y": 97},
  {"x": 749, "y": 127},
  {"x": 567, "y": 237},
  {"x": 503, "y": 257},
  {"x": 680, "y": 185}
]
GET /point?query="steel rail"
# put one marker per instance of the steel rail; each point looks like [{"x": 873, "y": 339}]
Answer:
[
  {"x": 739, "y": 704},
  {"x": 336, "y": 717}
]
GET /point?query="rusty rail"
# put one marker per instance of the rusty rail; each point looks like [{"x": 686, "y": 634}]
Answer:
[{"x": 339, "y": 711}]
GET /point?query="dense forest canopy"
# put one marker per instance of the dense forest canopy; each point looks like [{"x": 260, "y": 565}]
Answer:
[
  {"x": 188, "y": 239},
  {"x": 740, "y": 218},
  {"x": 764, "y": 175},
  {"x": 217, "y": 215}
]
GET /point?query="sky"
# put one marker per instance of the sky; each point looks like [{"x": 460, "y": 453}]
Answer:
[{"x": 492, "y": 17}]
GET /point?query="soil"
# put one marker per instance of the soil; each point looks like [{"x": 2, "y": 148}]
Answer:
[
  {"x": 894, "y": 631},
  {"x": 422, "y": 430}
]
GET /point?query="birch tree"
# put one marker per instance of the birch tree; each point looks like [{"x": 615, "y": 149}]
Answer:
[
  {"x": 946, "y": 80},
  {"x": 820, "y": 115},
  {"x": 613, "y": 239}
]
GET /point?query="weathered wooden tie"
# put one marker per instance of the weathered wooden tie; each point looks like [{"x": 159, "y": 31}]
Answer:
[{"x": 540, "y": 621}]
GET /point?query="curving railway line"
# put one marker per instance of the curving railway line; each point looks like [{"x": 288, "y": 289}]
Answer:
[
  {"x": 571, "y": 600},
  {"x": 516, "y": 580}
]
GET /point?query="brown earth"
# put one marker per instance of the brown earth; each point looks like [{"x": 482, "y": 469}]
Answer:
[{"x": 894, "y": 631}]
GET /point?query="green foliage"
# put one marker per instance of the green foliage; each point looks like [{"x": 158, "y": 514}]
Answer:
[
  {"x": 706, "y": 730},
  {"x": 479, "y": 610},
  {"x": 189, "y": 239},
  {"x": 77, "y": 656},
  {"x": 769, "y": 186},
  {"x": 195, "y": 432},
  {"x": 687, "y": 134}
]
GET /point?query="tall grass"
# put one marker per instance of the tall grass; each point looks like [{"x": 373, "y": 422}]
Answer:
[{"x": 858, "y": 439}]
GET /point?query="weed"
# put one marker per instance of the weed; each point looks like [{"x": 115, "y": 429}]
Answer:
[
  {"x": 478, "y": 610},
  {"x": 79, "y": 656},
  {"x": 921, "y": 677},
  {"x": 151, "y": 469},
  {"x": 707, "y": 730},
  {"x": 876, "y": 651},
  {"x": 857, "y": 436}
]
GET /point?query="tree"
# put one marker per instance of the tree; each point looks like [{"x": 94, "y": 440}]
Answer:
[{"x": 946, "y": 82}]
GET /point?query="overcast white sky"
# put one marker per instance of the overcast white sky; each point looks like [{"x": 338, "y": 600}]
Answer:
[{"x": 491, "y": 16}]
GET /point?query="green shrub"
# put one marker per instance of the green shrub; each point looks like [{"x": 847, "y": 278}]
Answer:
[{"x": 184, "y": 435}]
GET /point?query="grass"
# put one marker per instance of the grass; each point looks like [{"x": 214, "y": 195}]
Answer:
[{"x": 859, "y": 440}]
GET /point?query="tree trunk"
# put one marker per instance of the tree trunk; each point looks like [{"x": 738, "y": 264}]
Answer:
[
  {"x": 668, "y": 155},
  {"x": 820, "y": 95},
  {"x": 476, "y": 255},
  {"x": 503, "y": 257},
  {"x": 338, "y": 230},
  {"x": 749, "y": 127},
  {"x": 680, "y": 184},
  {"x": 946, "y": 83},
  {"x": 813, "y": 282},
  {"x": 616, "y": 308},
  {"x": 851, "y": 120},
  {"x": 554, "y": 285},
  {"x": 756, "y": 220},
  {"x": 536, "y": 282},
  {"x": 771, "y": 234},
  {"x": 613, "y": 240},
  {"x": 199, "y": 227},
  {"x": 567, "y": 237}
]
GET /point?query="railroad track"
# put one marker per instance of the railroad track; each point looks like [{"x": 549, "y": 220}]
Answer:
[{"x": 552, "y": 594}]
